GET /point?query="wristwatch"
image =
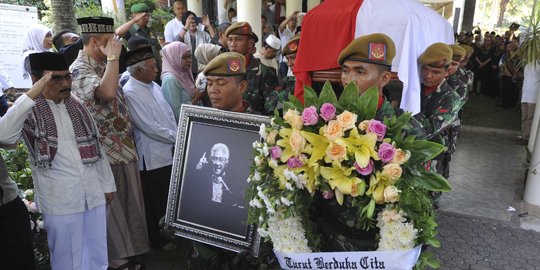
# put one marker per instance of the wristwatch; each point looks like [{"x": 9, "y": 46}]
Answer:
[{"x": 111, "y": 57}]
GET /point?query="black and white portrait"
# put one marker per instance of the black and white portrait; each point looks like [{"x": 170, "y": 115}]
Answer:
[{"x": 213, "y": 155}]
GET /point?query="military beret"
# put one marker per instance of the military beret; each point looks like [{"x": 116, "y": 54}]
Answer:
[
  {"x": 95, "y": 25},
  {"x": 376, "y": 49},
  {"x": 437, "y": 55},
  {"x": 467, "y": 48},
  {"x": 291, "y": 47},
  {"x": 226, "y": 65},
  {"x": 140, "y": 7},
  {"x": 240, "y": 28},
  {"x": 458, "y": 53}
]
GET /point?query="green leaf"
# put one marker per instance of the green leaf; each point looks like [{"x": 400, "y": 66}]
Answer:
[
  {"x": 349, "y": 96},
  {"x": 422, "y": 150},
  {"x": 434, "y": 243},
  {"x": 430, "y": 181},
  {"x": 327, "y": 95},
  {"x": 310, "y": 97},
  {"x": 367, "y": 103},
  {"x": 370, "y": 208}
]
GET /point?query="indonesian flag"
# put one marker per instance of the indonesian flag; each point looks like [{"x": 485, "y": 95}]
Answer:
[{"x": 331, "y": 26}]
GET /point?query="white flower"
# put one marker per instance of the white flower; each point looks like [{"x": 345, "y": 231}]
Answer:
[
  {"x": 255, "y": 144},
  {"x": 28, "y": 192},
  {"x": 264, "y": 150},
  {"x": 288, "y": 186},
  {"x": 396, "y": 233},
  {"x": 262, "y": 131},
  {"x": 262, "y": 232},
  {"x": 287, "y": 235},
  {"x": 285, "y": 201},
  {"x": 272, "y": 163},
  {"x": 258, "y": 161},
  {"x": 256, "y": 176},
  {"x": 255, "y": 203},
  {"x": 40, "y": 225},
  {"x": 288, "y": 174}
]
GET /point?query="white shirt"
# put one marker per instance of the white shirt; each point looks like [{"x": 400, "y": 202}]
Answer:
[
  {"x": 154, "y": 123},
  {"x": 531, "y": 82},
  {"x": 173, "y": 28},
  {"x": 68, "y": 186},
  {"x": 5, "y": 82}
]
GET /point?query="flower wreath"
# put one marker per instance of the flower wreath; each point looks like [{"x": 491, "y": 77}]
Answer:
[{"x": 335, "y": 148}]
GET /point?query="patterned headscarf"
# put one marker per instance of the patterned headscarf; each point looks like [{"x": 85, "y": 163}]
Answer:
[
  {"x": 172, "y": 63},
  {"x": 205, "y": 53}
]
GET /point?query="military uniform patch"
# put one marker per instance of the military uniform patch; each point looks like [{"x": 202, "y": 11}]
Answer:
[
  {"x": 377, "y": 52},
  {"x": 233, "y": 66}
]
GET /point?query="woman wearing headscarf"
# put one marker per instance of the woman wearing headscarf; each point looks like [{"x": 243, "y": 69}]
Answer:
[
  {"x": 177, "y": 84},
  {"x": 37, "y": 39},
  {"x": 193, "y": 37},
  {"x": 204, "y": 54}
]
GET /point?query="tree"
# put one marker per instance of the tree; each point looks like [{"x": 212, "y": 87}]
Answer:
[
  {"x": 502, "y": 10},
  {"x": 63, "y": 15}
]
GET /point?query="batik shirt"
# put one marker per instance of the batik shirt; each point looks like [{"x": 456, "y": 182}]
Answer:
[
  {"x": 262, "y": 81},
  {"x": 439, "y": 108},
  {"x": 112, "y": 117}
]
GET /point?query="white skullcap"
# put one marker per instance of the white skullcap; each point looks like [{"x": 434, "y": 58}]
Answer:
[{"x": 273, "y": 42}]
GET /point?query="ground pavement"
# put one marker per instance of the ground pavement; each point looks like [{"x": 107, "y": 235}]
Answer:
[{"x": 483, "y": 222}]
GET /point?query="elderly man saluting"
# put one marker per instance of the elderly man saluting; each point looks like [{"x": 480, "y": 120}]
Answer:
[{"x": 72, "y": 176}]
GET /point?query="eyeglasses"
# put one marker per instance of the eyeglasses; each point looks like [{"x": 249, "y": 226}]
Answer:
[
  {"x": 60, "y": 78},
  {"x": 220, "y": 159}
]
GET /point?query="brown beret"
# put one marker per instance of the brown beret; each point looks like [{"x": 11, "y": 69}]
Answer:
[
  {"x": 226, "y": 65},
  {"x": 291, "y": 47},
  {"x": 467, "y": 48},
  {"x": 458, "y": 53},
  {"x": 240, "y": 28},
  {"x": 374, "y": 48},
  {"x": 437, "y": 55}
]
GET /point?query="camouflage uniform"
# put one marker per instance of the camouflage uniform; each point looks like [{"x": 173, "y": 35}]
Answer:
[
  {"x": 278, "y": 97},
  {"x": 262, "y": 81},
  {"x": 439, "y": 109}
]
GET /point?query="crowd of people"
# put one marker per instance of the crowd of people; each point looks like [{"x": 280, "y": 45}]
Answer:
[{"x": 100, "y": 122}]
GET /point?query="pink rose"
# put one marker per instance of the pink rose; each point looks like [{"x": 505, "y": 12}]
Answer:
[
  {"x": 328, "y": 111},
  {"x": 328, "y": 195},
  {"x": 294, "y": 162},
  {"x": 378, "y": 128},
  {"x": 275, "y": 152},
  {"x": 366, "y": 170},
  {"x": 309, "y": 116},
  {"x": 386, "y": 152}
]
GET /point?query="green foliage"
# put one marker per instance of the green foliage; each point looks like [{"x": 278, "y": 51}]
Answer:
[
  {"x": 530, "y": 47},
  {"x": 327, "y": 95},
  {"x": 18, "y": 166}
]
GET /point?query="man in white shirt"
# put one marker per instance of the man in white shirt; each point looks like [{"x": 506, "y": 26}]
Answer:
[
  {"x": 267, "y": 53},
  {"x": 174, "y": 26},
  {"x": 71, "y": 174},
  {"x": 155, "y": 135}
]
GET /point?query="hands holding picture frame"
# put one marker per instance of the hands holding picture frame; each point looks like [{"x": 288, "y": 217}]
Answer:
[{"x": 210, "y": 169}]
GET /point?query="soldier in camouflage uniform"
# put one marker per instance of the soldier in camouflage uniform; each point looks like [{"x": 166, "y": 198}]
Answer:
[
  {"x": 262, "y": 80},
  {"x": 227, "y": 83},
  {"x": 278, "y": 97},
  {"x": 460, "y": 87},
  {"x": 440, "y": 103}
]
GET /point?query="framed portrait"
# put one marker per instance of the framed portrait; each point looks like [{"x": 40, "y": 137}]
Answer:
[{"x": 214, "y": 150}]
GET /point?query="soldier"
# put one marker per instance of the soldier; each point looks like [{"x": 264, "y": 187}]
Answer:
[
  {"x": 439, "y": 102},
  {"x": 226, "y": 75},
  {"x": 262, "y": 80},
  {"x": 460, "y": 87},
  {"x": 138, "y": 26},
  {"x": 275, "y": 101},
  {"x": 366, "y": 61},
  {"x": 463, "y": 72}
]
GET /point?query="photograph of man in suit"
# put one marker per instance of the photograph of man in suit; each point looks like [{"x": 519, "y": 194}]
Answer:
[{"x": 219, "y": 191}]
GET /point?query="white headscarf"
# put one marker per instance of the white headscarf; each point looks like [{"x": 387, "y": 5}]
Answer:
[{"x": 33, "y": 43}]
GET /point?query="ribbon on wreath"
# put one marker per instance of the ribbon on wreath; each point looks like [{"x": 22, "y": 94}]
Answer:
[{"x": 395, "y": 260}]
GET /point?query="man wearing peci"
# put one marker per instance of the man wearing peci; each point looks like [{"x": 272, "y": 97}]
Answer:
[{"x": 71, "y": 173}]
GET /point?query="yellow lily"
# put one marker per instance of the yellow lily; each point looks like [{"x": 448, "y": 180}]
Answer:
[
  {"x": 319, "y": 145},
  {"x": 340, "y": 181},
  {"x": 377, "y": 184},
  {"x": 362, "y": 146}
]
